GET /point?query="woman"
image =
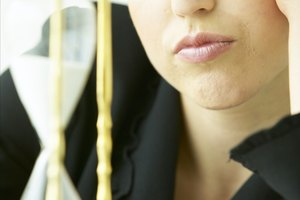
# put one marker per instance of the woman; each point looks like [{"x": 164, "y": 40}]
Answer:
[{"x": 229, "y": 61}]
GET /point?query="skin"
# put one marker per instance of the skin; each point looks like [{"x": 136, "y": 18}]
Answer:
[
  {"x": 291, "y": 10},
  {"x": 224, "y": 100},
  {"x": 218, "y": 84}
]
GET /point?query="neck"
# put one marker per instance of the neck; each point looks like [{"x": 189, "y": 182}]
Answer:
[{"x": 210, "y": 134}]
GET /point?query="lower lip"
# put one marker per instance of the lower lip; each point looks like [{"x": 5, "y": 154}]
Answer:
[{"x": 204, "y": 53}]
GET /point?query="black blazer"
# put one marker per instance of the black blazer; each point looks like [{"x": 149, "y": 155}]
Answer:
[{"x": 147, "y": 123}]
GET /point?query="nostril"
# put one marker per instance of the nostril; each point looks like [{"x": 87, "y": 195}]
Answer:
[
  {"x": 183, "y": 8},
  {"x": 202, "y": 10}
]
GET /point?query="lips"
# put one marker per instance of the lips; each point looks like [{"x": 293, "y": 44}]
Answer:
[{"x": 202, "y": 47}]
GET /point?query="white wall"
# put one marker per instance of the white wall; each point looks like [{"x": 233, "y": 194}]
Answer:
[{"x": 16, "y": 36}]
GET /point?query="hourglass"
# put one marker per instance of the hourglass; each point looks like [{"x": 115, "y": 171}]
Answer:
[{"x": 50, "y": 72}]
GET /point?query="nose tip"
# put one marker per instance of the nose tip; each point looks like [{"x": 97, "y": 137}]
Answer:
[{"x": 184, "y": 8}]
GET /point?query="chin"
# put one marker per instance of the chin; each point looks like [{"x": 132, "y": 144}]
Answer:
[
  {"x": 223, "y": 101},
  {"x": 220, "y": 106}
]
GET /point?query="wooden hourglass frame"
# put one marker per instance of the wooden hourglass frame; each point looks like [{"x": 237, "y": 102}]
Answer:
[{"x": 104, "y": 98}]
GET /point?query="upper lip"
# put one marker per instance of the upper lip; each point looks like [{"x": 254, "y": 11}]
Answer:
[{"x": 200, "y": 39}]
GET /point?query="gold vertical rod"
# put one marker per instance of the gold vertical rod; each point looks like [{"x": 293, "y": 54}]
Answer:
[
  {"x": 104, "y": 98},
  {"x": 56, "y": 141}
]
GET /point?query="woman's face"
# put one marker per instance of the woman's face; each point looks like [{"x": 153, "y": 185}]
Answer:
[{"x": 226, "y": 71}]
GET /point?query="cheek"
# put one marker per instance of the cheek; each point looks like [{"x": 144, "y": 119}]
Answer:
[
  {"x": 266, "y": 26},
  {"x": 267, "y": 37},
  {"x": 150, "y": 18}
]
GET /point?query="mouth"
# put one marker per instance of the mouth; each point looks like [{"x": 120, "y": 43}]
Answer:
[{"x": 202, "y": 47}]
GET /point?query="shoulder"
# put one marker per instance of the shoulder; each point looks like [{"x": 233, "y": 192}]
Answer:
[{"x": 273, "y": 155}]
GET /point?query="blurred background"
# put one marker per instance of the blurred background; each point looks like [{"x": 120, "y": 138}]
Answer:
[{"x": 16, "y": 36}]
